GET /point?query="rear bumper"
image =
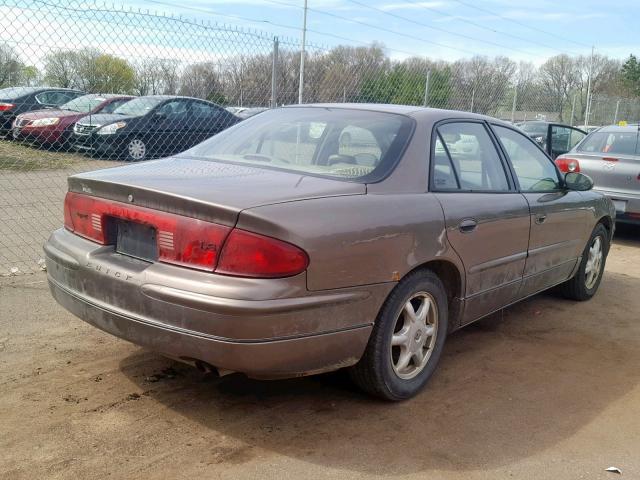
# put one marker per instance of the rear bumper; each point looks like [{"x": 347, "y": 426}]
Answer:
[
  {"x": 264, "y": 328},
  {"x": 631, "y": 202}
]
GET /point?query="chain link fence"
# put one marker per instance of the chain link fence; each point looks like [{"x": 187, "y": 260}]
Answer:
[{"x": 86, "y": 86}]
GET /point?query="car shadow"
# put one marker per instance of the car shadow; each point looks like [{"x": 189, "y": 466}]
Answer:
[
  {"x": 508, "y": 387},
  {"x": 627, "y": 235}
]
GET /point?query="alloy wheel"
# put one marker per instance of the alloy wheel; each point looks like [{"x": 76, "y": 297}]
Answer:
[
  {"x": 414, "y": 336},
  {"x": 594, "y": 263}
]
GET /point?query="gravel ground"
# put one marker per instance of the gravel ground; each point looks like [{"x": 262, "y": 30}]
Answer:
[{"x": 547, "y": 389}]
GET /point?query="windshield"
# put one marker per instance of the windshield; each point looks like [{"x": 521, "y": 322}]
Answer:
[
  {"x": 534, "y": 128},
  {"x": 83, "y": 104},
  {"x": 15, "y": 92},
  {"x": 330, "y": 142},
  {"x": 139, "y": 106}
]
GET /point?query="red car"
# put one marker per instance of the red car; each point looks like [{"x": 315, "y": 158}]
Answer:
[{"x": 54, "y": 126}]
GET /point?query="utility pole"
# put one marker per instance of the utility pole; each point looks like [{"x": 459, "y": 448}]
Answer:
[
  {"x": 573, "y": 107},
  {"x": 304, "y": 41},
  {"x": 588, "y": 109},
  {"x": 274, "y": 74},
  {"x": 426, "y": 90}
]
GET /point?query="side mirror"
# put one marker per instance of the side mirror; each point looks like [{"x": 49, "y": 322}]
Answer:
[{"x": 578, "y": 182}]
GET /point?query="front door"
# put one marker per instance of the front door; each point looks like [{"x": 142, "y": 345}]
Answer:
[
  {"x": 487, "y": 220},
  {"x": 558, "y": 217}
]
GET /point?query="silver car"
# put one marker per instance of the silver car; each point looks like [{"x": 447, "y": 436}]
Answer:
[{"x": 611, "y": 157}]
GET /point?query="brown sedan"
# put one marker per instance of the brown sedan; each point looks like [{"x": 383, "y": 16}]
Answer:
[{"x": 312, "y": 238}]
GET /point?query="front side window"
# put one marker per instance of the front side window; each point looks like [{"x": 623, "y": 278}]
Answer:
[
  {"x": 564, "y": 139},
  {"x": 469, "y": 150},
  {"x": 334, "y": 142},
  {"x": 534, "y": 170}
]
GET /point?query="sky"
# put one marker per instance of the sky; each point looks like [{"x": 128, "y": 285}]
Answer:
[{"x": 530, "y": 30}]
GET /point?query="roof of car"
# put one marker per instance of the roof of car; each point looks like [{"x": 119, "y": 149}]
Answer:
[
  {"x": 618, "y": 128},
  {"x": 424, "y": 113}
]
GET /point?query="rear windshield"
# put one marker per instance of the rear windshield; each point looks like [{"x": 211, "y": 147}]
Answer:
[
  {"x": 331, "y": 142},
  {"x": 15, "y": 92},
  {"x": 534, "y": 128},
  {"x": 611, "y": 142}
]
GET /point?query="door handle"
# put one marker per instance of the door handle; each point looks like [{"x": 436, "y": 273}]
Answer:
[
  {"x": 468, "y": 225},
  {"x": 540, "y": 218}
]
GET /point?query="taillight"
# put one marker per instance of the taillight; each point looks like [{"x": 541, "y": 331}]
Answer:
[
  {"x": 180, "y": 240},
  {"x": 248, "y": 254},
  {"x": 5, "y": 107},
  {"x": 567, "y": 165},
  {"x": 187, "y": 241}
]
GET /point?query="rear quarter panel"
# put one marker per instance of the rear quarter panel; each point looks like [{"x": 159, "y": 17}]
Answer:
[{"x": 358, "y": 239}]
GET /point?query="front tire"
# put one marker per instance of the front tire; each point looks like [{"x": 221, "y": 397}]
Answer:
[
  {"x": 586, "y": 281},
  {"x": 136, "y": 150},
  {"x": 407, "y": 339}
]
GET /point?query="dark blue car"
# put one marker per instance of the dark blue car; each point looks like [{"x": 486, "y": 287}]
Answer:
[{"x": 151, "y": 126}]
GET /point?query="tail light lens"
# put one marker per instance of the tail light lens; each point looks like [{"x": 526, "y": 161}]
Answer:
[
  {"x": 567, "y": 165},
  {"x": 248, "y": 254},
  {"x": 187, "y": 241},
  {"x": 5, "y": 107}
]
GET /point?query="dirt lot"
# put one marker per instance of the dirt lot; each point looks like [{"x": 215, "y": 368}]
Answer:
[{"x": 548, "y": 389}]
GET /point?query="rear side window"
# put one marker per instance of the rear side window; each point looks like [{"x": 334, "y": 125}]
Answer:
[
  {"x": 110, "y": 107},
  {"x": 622, "y": 143},
  {"x": 465, "y": 154}
]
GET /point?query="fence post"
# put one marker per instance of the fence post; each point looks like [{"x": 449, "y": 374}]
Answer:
[
  {"x": 304, "y": 37},
  {"x": 274, "y": 74},
  {"x": 615, "y": 117},
  {"x": 473, "y": 97},
  {"x": 513, "y": 107},
  {"x": 426, "y": 90}
]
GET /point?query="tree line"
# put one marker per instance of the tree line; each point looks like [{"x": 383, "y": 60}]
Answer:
[{"x": 344, "y": 73}]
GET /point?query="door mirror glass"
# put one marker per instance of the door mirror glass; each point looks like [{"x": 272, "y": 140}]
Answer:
[{"x": 578, "y": 181}]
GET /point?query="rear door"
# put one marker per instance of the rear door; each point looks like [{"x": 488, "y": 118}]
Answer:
[
  {"x": 558, "y": 217},
  {"x": 205, "y": 121},
  {"x": 487, "y": 220},
  {"x": 168, "y": 127}
]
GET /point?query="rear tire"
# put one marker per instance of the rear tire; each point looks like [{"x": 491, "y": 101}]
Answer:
[
  {"x": 407, "y": 339},
  {"x": 586, "y": 281}
]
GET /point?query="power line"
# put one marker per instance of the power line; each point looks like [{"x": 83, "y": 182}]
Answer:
[
  {"x": 480, "y": 9},
  {"x": 461, "y": 35},
  {"x": 489, "y": 29},
  {"x": 276, "y": 24},
  {"x": 383, "y": 29}
]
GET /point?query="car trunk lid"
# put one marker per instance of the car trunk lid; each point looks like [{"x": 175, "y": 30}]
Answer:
[
  {"x": 611, "y": 172},
  {"x": 203, "y": 189}
]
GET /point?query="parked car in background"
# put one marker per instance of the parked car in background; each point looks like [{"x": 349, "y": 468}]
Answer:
[
  {"x": 246, "y": 112},
  {"x": 554, "y": 138},
  {"x": 17, "y": 100},
  {"x": 151, "y": 126},
  {"x": 611, "y": 157},
  {"x": 55, "y": 126},
  {"x": 280, "y": 255}
]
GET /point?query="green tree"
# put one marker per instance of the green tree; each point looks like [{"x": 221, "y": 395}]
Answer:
[
  {"x": 112, "y": 75},
  {"x": 631, "y": 74}
]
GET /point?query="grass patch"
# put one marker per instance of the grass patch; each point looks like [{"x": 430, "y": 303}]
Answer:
[{"x": 24, "y": 158}]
